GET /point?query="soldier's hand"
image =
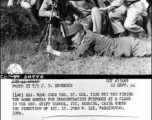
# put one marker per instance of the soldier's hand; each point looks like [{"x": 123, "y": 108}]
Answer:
[
  {"x": 55, "y": 15},
  {"x": 49, "y": 49},
  {"x": 111, "y": 9}
]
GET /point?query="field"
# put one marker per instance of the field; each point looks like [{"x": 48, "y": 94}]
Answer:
[{"x": 20, "y": 50}]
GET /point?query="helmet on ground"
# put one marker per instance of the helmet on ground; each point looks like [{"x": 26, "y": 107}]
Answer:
[{"x": 14, "y": 68}]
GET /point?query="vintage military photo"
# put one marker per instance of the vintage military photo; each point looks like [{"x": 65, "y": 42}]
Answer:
[{"x": 89, "y": 37}]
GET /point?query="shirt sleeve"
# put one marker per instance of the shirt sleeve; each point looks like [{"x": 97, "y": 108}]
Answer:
[
  {"x": 43, "y": 10},
  {"x": 83, "y": 8},
  {"x": 85, "y": 45}
]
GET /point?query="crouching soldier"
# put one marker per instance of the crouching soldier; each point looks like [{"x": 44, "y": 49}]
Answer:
[
  {"x": 102, "y": 45},
  {"x": 134, "y": 10},
  {"x": 32, "y": 9}
]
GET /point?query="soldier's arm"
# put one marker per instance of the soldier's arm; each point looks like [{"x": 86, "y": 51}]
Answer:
[
  {"x": 115, "y": 4},
  {"x": 43, "y": 10},
  {"x": 75, "y": 54},
  {"x": 84, "y": 46},
  {"x": 69, "y": 55}
]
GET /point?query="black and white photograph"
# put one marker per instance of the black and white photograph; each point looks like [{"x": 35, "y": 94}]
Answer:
[{"x": 76, "y": 37}]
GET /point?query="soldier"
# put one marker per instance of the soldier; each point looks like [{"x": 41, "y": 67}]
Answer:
[
  {"x": 33, "y": 2},
  {"x": 134, "y": 10},
  {"x": 102, "y": 45},
  {"x": 87, "y": 13},
  {"x": 31, "y": 7},
  {"x": 46, "y": 11}
]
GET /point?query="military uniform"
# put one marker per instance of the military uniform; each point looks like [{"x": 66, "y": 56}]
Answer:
[
  {"x": 24, "y": 3},
  {"x": 106, "y": 46},
  {"x": 44, "y": 8},
  {"x": 89, "y": 14},
  {"x": 134, "y": 10},
  {"x": 31, "y": 7},
  {"x": 86, "y": 10}
]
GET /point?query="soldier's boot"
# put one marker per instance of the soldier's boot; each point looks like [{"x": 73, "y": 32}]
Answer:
[{"x": 32, "y": 16}]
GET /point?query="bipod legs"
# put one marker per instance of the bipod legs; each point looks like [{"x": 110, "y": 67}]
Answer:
[{"x": 45, "y": 34}]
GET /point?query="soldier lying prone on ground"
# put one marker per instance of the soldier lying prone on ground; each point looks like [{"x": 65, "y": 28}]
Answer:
[{"x": 102, "y": 45}]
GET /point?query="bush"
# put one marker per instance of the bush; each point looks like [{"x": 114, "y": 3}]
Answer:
[{"x": 14, "y": 23}]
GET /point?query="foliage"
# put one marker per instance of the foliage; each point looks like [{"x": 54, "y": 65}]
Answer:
[{"x": 15, "y": 24}]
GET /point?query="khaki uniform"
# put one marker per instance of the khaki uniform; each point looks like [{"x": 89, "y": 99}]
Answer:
[
  {"x": 90, "y": 15},
  {"x": 133, "y": 10},
  {"x": 43, "y": 10},
  {"x": 88, "y": 12},
  {"x": 106, "y": 46}
]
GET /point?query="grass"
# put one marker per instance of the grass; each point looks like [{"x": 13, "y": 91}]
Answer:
[
  {"x": 15, "y": 26},
  {"x": 21, "y": 52}
]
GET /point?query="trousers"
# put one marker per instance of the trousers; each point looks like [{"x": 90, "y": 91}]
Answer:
[
  {"x": 131, "y": 47},
  {"x": 115, "y": 17},
  {"x": 133, "y": 13},
  {"x": 93, "y": 21}
]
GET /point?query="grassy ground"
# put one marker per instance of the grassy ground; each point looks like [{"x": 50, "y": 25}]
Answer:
[
  {"x": 17, "y": 50},
  {"x": 21, "y": 52}
]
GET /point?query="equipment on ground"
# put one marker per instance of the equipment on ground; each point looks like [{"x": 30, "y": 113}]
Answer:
[{"x": 57, "y": 8}]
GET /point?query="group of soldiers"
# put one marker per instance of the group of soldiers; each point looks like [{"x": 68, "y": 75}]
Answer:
[{"x": 125, "y": 17}]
